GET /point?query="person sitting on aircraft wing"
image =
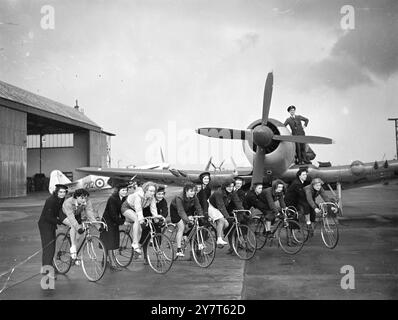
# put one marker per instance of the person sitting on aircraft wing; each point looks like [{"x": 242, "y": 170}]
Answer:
[
  {"x": 113, "y": 218},
  {"x": 221, "y": 204},
  {"x": 273, "y": 197},
  {"x": 133, "y": 208},
  {"x": 312, "y": 191},
  {"x": 73, "y": 210},
  {"x": 295, "y": 195},
  {"x": 204, "y": 193},
  {"x": 182, "y": 208}
]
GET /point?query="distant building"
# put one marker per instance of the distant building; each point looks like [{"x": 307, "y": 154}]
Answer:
[{"x": 38, "y": 135}]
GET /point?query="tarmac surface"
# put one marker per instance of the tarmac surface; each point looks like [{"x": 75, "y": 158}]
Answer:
[{"x": 368, "y": 243}]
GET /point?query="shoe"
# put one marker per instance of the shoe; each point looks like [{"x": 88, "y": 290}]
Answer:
[
  {"x": 268, "y": 234},
  {"x": 137, "y": 249},
  {"x": 221, "y": 242},
  {"x": 230, "y": 251},
  {"x": 179, "y": 253},
  {"x": 307, "y": 162}
]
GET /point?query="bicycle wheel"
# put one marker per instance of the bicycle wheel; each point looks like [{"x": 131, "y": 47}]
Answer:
[
  {"x": 62, "y": 259},
  {"x": 93, "y": 258},
  {"x": 329, "y": 232},
  {"x": 124, "y": 255},
  {"x": 203, "y": 247},
  {"x": 171, "y": 232},
  {"x": 160, "y": 253},
  {"x": 257, "y": 225},
  {"x": 291, "y": 238},
  {"x": 244, "y": 242}
]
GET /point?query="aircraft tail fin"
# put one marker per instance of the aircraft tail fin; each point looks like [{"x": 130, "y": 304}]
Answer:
[{"x": 57, "y": 177}]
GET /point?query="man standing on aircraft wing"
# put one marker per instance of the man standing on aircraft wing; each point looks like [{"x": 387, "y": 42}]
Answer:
[{"x": 294, "y": 122}]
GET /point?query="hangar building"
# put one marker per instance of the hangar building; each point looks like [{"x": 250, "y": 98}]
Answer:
[{"x": 38, "y": 135}]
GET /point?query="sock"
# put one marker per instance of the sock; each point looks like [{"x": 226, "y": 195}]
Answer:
[{"x": 308, "y": 222}]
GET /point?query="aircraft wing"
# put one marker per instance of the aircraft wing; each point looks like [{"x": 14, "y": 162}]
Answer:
[{"x": 170, "y": 176}]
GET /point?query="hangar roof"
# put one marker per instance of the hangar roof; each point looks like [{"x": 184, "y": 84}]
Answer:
[{"x": 44, "y": 107}]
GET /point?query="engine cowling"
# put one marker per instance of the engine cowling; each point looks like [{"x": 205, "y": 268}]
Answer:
[{"x": 279, "y": 154}]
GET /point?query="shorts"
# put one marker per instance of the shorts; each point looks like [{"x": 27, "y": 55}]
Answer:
[
  {"x": 63, "y": 216},
  {"x": 214, "y": 213}
]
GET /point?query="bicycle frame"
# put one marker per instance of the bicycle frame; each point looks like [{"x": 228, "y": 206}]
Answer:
[
  {"x": 236, "y": 223},
  {"x": 194, "y": 229},
  {"x": 87, "y": 234}
]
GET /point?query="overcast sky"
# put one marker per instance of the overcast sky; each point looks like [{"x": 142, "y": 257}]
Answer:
[{"x": 147, "y": 69}]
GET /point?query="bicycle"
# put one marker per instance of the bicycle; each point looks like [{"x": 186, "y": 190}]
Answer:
[
  {"x": 244, "y": 242},
  {"x": 329, "y": 225},
  {"x": 203, "y": 245},
  {"x": 91, "y": 253},
  {"x": 286, "y": 229},
  {"x": 158, "y": 244}
]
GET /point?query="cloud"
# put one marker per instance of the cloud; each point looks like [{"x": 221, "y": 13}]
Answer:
[{"x": 373, "y": 45}]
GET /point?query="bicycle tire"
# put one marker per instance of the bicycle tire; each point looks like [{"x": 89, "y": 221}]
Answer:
[
  {"x": 124, "y": 255},
  {"x": 244, "y": 238},
  {"x": 160, "y": 253},
  {"x": 204, "y": 248},
  {"x": 62, "y": 253},
  {"x": 93, "y": 257},
  {"x": 291, "y": 237},
  {"x": 257, "y": 225},
  {"x": 329, "y": 232}
]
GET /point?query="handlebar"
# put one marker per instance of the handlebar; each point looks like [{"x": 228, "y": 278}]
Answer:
[
  {"x": 242, "y": 211},
  {"x": 86, "y": 224}
]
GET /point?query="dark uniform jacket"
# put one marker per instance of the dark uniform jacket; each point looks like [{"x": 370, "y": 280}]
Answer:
[
  {"x": 222, "y": 200},
  {"x": 295, "y": 194},
  {"x": 113, "y": 218},
  {"x": 162, "y": 207},
  {"x": 311, "y": 194},
  {"x": 295, "y": 124},
  {"x": 51, "y": 210},
  {"x": 253, "y": 200},
  {"x": 269, "y": 196},
  {"x": 181, "y": 206},
  {"x": 204, "y": 195}
]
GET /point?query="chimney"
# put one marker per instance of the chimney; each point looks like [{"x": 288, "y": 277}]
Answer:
[{"x": 77, "y": 106}]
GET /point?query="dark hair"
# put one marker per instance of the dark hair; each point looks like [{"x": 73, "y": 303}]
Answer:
[
  {"x": 256, "y": 184},
  {"x": 291, "y": 107},
  {"x": 227, "y": 183},
  {"x": 161, "y": 188},
  {"x": 300, "y": 171},
  {"x": 81, "y": 192},
  {"x": 188, "y": 186},
  {"x": 204, "y": 174},
  {"x": 59, "y": 187}
]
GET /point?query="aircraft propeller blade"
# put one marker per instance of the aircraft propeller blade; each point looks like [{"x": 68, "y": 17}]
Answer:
[
  {"x": 258, "y": 165},
  {"x": 303, "y": 139},
  {"x": 225, "y": 133},
  {"x": 267, "y": 97}
]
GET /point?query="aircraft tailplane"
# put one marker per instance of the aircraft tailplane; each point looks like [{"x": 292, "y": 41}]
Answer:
[{"x": 57, "y": 177}]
